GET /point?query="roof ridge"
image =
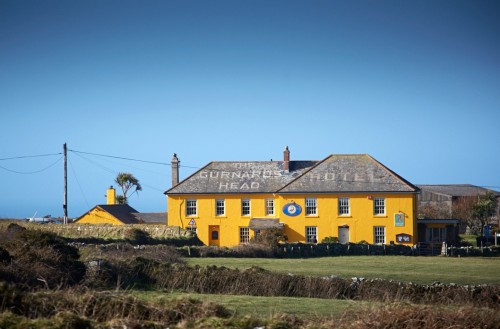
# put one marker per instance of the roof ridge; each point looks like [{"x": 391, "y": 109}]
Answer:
[
  {"x": 304, "y": 173},
  {"x": 404, "y": 181}
]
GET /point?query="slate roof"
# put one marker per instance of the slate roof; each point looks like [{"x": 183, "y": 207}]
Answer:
[
  {"x": 336, "y": 173},
  {"x": 122, "y": 212},
  {"x": 457, "y": 189},
  {"x": 349, "y": 173},
  {"x": 151, "y": 217}
]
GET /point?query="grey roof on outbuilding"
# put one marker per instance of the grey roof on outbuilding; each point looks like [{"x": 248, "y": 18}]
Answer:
[
  {"x": 264, "y": 223},
  {"x": 122, "y": 212},
  {"x": 349, "y": 173},
  {"x": 457, "y": 190},
  {"x": 151, "y": 217}
]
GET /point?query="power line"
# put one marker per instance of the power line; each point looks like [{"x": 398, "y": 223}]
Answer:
[
  {"x": 121, "y": 158},
  {"x": 32, "y": 172},
  {"x": 78, "y": 183},
  {"x": 31, "y": 156}
]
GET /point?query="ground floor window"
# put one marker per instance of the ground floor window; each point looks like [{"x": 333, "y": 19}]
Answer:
[
  {"x": 379, "y": 234},
  {"x": 311, "y": 234},
  {"x": 192, "y": 229},
  {"x": 244, "y": 234}
]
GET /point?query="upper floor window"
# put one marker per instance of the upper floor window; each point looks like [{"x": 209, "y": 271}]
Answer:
[
  {"x": 220, "y": 207},
  {"x": 379, "y": 206},
  {"x": 269, "y": 207},
  {"x": 245, "y": 207},
  {"x": 191, "y": 209},
  {"x": 311, "y": 208},
  {"x": 344, "y": 206}
]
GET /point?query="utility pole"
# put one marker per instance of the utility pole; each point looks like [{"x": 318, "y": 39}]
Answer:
[{"x": 65, "y": 205}]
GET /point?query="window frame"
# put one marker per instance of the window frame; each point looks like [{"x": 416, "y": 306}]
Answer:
[
  {"x": 190, "y": 207},
  {"x": 270, "y": 207},
  {"x": 341, "y": 206},
  {"x": 378, "y": 232},
  {"x": 220, "y": 204},
  {"x": 311, "y": 234},
  {"x": 377, "y": 206},
  {"x": 311, "y": 204},
  {"x": 244, "y": 234},
  {"x": 244, "y": 211}
]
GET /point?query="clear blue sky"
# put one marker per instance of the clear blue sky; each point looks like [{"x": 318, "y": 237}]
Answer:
[{"x": 415, "y": 84}]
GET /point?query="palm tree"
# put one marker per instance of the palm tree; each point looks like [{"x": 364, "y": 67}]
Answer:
[{"x": 127, "y": 181}]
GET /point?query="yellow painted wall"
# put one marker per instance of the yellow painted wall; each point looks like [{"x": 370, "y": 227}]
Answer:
[
  {"x": 98, "y": 216},
  {"x": 361, "y": 220}
]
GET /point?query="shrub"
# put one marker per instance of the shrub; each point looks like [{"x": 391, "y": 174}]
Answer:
[
  {"x": 270, "y": 237},
  {"x": 40, "y": 259},
  {"x": 136, "y": 236},
  {"x": 330, "y": 239}
]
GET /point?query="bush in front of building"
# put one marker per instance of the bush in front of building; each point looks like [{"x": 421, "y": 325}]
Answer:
[{"x": 39, "y": 259}]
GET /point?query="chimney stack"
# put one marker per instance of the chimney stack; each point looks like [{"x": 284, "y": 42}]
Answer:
[
  {"x": 175, "y": 170},
  {"x": 286, "y": 159},
  {"x": 111, "y": 195}
]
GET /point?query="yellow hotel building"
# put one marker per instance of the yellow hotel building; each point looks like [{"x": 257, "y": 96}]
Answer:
[{"x": 349, "y": 196}]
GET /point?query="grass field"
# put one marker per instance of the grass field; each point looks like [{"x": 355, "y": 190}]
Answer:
[
  {"x": 265, "y": 307},
  {"x": 424, "y": 270}
]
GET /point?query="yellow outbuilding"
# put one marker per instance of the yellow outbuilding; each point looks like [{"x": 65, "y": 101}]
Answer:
[
  {"x": 352, "y": 197},
  {"x": 110, "y": 213}
]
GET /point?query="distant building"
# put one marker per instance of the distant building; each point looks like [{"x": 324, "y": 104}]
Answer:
[
  {"x": 119, "y": 214},
  {"x": 349, "y": 196},
  {"x": 442, "y": 198}
]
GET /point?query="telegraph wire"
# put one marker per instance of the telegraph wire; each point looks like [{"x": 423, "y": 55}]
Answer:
[
  {"x": 113, "y": 171},
  {"x": 78, "y": 183},
  {"x": 31, "y": 156},
  {"x": 32, "y": 172},
  {"x": 121, "y": 158},
  {"x": 97, "y": 164}
]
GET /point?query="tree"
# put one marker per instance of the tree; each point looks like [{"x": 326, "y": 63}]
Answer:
[
  {"x": 484, "y": 209},
  {"x": 462, "y": 210},
  {"x": 434, "y": 210},
  {"x": 127, "y": 182}
]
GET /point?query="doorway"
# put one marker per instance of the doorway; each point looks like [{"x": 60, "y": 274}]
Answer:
[
  {"x": 213, "y": 235},
  {"x": 343, "y": 234}
]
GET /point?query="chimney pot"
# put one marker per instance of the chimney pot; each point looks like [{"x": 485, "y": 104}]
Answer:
[
  {"x": 286, "y": 159},
  {"x": 175, "y": 170}
]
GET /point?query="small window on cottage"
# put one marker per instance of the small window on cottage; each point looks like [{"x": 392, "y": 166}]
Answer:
[
  {"x": 220, "y": 207},
  {"x": 311, "y": 234},
  {"x": 379, "y": 234},
  {"x": 379, "y": 206},
  {"x": 344, "y": 206},
  {"x": 245, "y": 207},
  {"x": 191, "y": 207},
  {"x": 269, "y": 207},
  {"x": 244, "y": 234},
  {"x": 311, "y": 207}
]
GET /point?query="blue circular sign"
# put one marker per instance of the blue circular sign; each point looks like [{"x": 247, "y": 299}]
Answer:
[{"x": 292, "y": 209}]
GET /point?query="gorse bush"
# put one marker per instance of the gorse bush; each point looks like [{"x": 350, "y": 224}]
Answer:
[
  {"x": 39, "y": 259},
  {"x": 137, "y": 236}
]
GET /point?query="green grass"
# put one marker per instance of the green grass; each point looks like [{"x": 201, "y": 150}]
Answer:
[
  {"x": 264, "y": 307},
  {"x": 424, "y": 270}
]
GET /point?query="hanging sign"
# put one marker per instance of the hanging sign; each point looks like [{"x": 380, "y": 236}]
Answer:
[
  {"x": 399, "y": 219},
  {"x": 292, "y": 209}
]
